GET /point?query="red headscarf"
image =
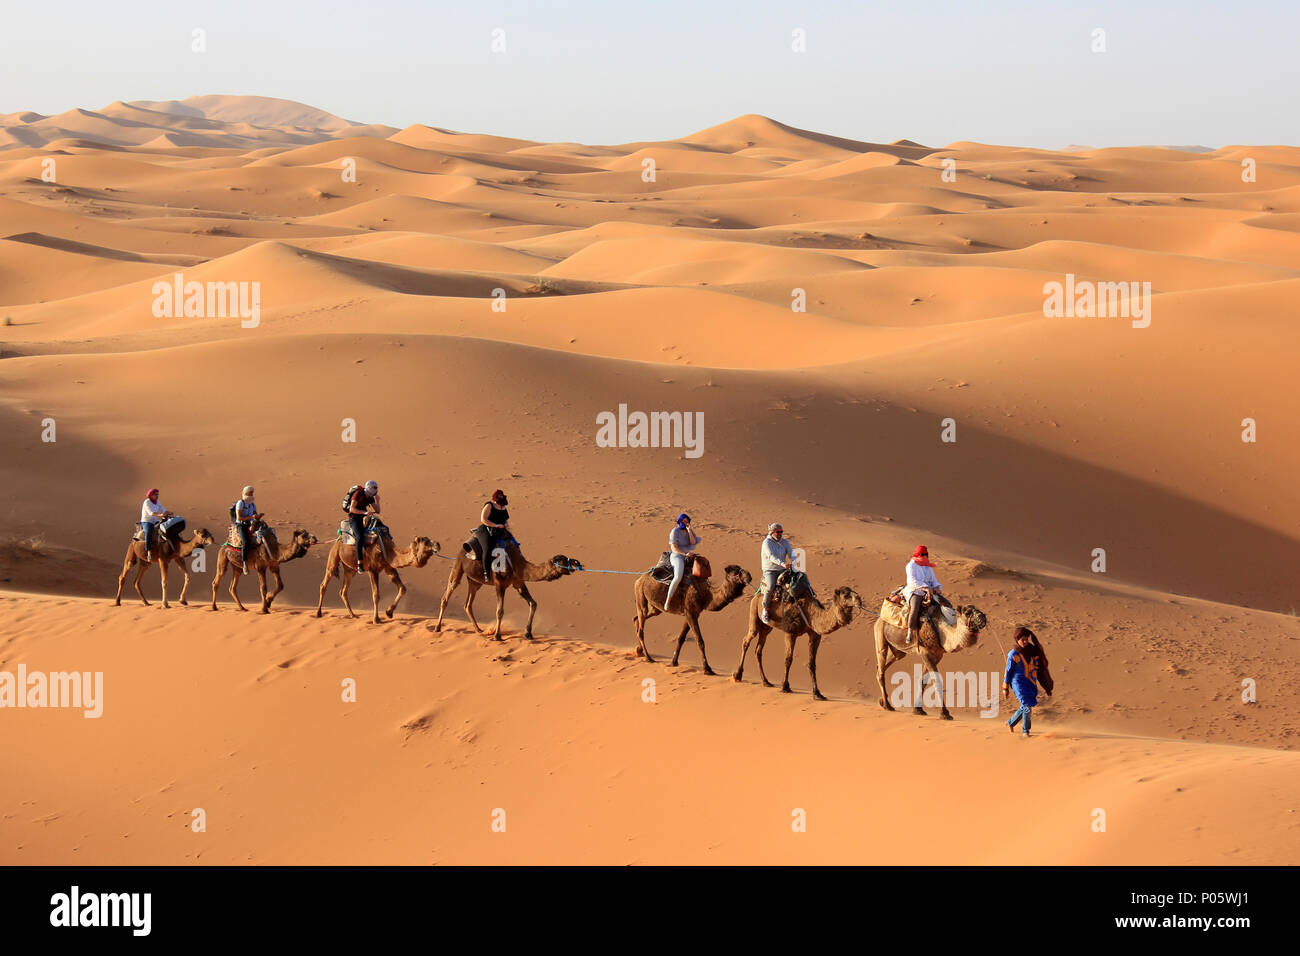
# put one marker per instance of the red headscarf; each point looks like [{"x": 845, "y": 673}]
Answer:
[{"x": 922, "y": 556}]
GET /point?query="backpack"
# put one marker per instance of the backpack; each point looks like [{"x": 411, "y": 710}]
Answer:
[{"x": 347, "y": 499}]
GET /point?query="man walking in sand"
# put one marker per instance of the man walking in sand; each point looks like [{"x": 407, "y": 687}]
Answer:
[{"x": 1022, "y": 677}]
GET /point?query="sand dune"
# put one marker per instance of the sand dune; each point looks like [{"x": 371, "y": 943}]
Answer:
[
  {"x": 451, "y": 722},
  {"x": 471, "y": 303}
]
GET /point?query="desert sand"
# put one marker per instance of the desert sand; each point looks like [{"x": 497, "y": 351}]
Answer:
[{"x": 379, "y": 255}]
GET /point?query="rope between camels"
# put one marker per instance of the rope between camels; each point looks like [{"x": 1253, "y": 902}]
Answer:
[
  {"x": 578, "y": 567},
  {"x": 564, "y": 567}
]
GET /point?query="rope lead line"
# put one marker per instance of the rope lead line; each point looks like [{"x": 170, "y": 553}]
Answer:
[{"x": 570, "y": 567}]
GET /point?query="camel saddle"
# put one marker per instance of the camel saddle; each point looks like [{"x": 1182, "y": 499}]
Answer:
[
  {"x": 470, "y": 546},
  {"x": 373, "y": 531},
  {"x": 663, "y": 571},
  {"x": 171, "y": 528},
  {"x": 894, "y": 609},
  {"x": 792, "y": 585},
  {"x": 232, "y": 540}
]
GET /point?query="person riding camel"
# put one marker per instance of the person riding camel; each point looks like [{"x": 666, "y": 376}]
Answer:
[
  {"x": 682, "y": 542},
  {"x": 151, "y": 514},
  {"x": 245, "y": 512},
  {"x": 494, "y": 524},
  {"x": 363, "y": 503},
  {"x": 776, "y": 556},
  {"x": 922, "y": 587}
]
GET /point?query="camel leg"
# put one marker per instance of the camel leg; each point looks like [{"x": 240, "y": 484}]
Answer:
[
  {"x": 453, "y": 581},
  {"x": 218, "y": 575},
  {"x": 932, "y": 667},
  {"x": 139, "y": 574},
  {"x": 401, "y": 590},
  {"x": 279, "y": 586},
  {"x": 744, "y": 649},
  {"x": 374, "y": 593},
  {"x": 790, "y": 640},
  {"x": 755, "y": 627},
  {"x": 162, "y": 571},
  {"x": 699, "y": 639},
  {"x": 121, "y": 578},
  {"x": 472, "y": 586},
  {"x": 532, "y": 609},
  {"x": 501, "y": 609},
  {"x": 343, "y": 588},
  {"x": 261, "y": 583},
  {"x": 681, "y": 639},
  {"x": 814, "y": 641},
  {"x": 331, "y": 565},
  {"x": 642, "y": 615},
  {"x": 235, "y": 574},
  {"x": 763, "y": 631},
  {"x": 886, "y": 655},
  {"x": 185, "y": 583}
]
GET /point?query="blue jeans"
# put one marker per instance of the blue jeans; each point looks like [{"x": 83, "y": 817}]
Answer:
[{"x": 1026, "y": 712}]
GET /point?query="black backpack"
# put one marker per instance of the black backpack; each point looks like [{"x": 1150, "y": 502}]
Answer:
[{"x": 347, "y": 500}]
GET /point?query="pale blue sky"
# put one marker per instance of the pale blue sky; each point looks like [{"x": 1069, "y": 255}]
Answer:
[{"x": 1177, "y": 73}]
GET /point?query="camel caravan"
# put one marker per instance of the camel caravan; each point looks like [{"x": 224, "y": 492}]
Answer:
[{"x": 916, "y": 619}]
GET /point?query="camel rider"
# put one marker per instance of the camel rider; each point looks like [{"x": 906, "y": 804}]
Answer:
[
  {"x": 921, "y": 588},
  {"x": 776, "y": 556},
  {"x": 494, "y": 522},
  {"x": 151, "y": 513},
  {"x": 245, "y": 513},
  {"x": 682, "y": 541},
  {"x": 364, "y": 501}
]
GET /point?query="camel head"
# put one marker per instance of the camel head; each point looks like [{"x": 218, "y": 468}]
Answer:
[
  {"x": 971, "y": 620},
  {"x": 202, "y": 538},
  {"x": 737, "y": 577},
  {"x": 566, "y": 565},
  {"x": 422, "y": 549},
  {"x": 848, "y": 599},
  {"x": 303, "y": 539}
]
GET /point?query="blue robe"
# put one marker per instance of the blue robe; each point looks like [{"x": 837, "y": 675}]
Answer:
[{"x": 1022, "y": 675}]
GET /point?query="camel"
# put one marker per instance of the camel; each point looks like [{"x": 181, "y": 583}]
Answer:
[
  {"x": 165, "y": 553},
  {"x": 697, "y": 596},
  {"x": 938, "y": 637},
  {"x": 803, "y": 616},
  {"x": 375, "y": 559},
  {"x": 266, "y": 557},
  {"x": 521, "y": 571}
]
